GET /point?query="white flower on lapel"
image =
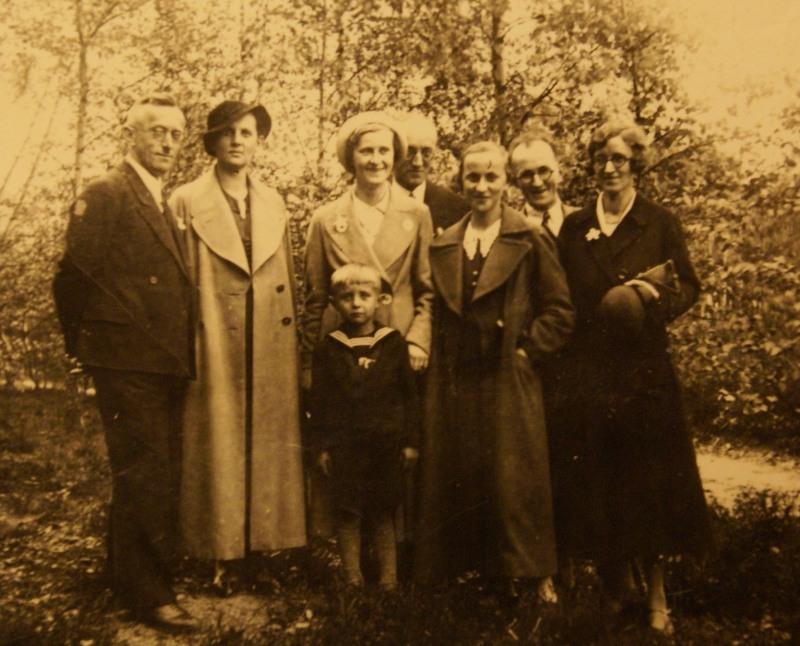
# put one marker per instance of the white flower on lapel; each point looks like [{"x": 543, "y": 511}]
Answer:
[
  {"x": 593, "y": 234},
  {"x": 408, "y": 224},
  {"x": 340, "y": 226},
  {"x": 365, "y": 362}
]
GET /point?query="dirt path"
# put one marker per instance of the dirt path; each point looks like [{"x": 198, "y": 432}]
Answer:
[
  {"x": 245, "y": 615},
  {"x": 726, "y": 475}
]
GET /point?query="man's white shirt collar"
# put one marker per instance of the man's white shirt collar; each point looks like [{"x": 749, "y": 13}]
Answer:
[
  {"x": 605, "y": 226},
  {"x": 418, "y": 192},
  {"x": 555, "y": 213},
  {"x": 486, "y": 236},
  {"x": 151, "y": 182},
  {"x": 370, "y": 217}
]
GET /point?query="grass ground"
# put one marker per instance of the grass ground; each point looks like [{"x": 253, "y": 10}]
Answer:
[{"x": 53, "y": 491}]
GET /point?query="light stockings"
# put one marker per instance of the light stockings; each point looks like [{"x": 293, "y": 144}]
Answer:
[{"x": 348, "y": 534}]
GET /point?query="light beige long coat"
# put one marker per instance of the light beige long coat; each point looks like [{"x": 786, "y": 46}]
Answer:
[{"x": 218, "y": 469}]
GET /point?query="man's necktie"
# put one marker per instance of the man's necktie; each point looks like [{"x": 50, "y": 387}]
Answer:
[{"x": 545, "y": 218}]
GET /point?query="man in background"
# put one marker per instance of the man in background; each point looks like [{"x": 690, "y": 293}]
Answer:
[
  {"x": 411, "y": 173},
  {"x": 536, "y": 172}
]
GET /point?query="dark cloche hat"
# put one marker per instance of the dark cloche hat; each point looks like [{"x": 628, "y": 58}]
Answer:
[{"x": 227, "y": 113}]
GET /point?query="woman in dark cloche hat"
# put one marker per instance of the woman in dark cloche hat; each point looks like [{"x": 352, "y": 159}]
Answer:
[
  {"x": 242, "y": 488},
  {"x": 629, "y": 491}
]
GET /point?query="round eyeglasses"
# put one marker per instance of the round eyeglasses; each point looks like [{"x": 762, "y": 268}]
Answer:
[
  {"x": 618, "y": 160},
  {"x": 527, "y": 176},
  {"x": 425, "y": 152},
  {"x": 160, "y": 133}
]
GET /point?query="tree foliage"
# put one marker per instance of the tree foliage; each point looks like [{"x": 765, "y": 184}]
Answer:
[{"x": 480, "y": 68}]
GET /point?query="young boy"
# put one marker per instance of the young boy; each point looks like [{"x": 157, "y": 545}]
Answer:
[{"x": 364, "y": 420}]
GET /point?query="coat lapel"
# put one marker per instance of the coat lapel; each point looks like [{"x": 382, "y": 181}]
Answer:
[
  {"x": 344, "y": 231},
  {"x": 398, "y": 230},
  {"x": 505, "y": 254},
  {"x": 269, "y": 223},
  {"x": 152, "y": 214},
  {"x": 212, "y": 220},
  {"x": 629, "y": 230},
  {"x": 598, "y": 247},
  {"x": 447, "y": 265}
]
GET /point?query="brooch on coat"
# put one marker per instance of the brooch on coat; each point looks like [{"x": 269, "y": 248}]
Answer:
[
  {"x": 365, "y": 362},
  {"x": 340, "y": 226},
  {"x": 593, "y": 234}
]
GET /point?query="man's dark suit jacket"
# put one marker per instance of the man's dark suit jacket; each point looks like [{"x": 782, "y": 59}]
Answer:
[
  {"x": 446, "y": 207},
  {"x": 123, "y": 294}
]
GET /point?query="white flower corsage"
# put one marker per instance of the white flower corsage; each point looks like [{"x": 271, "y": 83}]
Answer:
[
  {"x": 340, "y": 226},
  {"x": 593, "y": 234}
]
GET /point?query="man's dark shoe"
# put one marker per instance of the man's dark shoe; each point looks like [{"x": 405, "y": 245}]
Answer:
[{"x": 170, "y": 618}]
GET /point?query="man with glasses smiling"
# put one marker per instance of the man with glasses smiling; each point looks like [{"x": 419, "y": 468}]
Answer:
[
  {"x": 125, "y": 302},
  {"x": 536, "y": 172},
  {"x": 411, "y": 173}
]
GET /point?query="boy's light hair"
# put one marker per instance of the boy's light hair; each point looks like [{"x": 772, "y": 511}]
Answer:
[{"x": 356, "y": 274}]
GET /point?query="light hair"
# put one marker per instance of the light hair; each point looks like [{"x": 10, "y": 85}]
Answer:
[
  {"x": 355, "y": 137},
  {"x": 630, "y": 133},
  {"x": 139, "y": 110},
  {"x": 355, "y": 274},
  {"x": 481, "y": 147},
  {"x": 530, "y": 135},
  {"x": 415, "y": 122}
]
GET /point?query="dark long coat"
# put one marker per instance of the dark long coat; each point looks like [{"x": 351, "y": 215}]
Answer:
[
  {"x": 628, "y": 481},
  {"x": 491, "y": 469}
]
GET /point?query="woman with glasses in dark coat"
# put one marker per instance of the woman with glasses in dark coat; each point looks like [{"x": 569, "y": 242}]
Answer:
[{"x": 635, "y": 489}]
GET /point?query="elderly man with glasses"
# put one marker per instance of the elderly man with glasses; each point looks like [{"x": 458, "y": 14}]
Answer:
[
  {"x": 125, "y": 301},
  {"x": 412, "y": 173}
]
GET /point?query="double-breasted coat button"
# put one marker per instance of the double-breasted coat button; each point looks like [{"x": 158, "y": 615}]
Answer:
[
  {"x": 280, "y": 288},
  {"x": 153, "y": 280},
  {"x": 286, "y": 320}
]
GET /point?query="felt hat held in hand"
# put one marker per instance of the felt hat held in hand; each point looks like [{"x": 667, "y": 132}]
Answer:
[{"x": 621, "y": 311}]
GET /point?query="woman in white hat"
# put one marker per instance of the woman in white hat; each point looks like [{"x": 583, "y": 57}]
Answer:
[
  {"x": 372, "y": 223},
  {"x": 377, "y": 224}
]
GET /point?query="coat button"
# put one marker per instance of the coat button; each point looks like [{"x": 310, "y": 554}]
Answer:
[
  {"x": 153, "y": 280},
  {"x": 286, "y": 320},
  {"x": 280, "y": 288}
]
